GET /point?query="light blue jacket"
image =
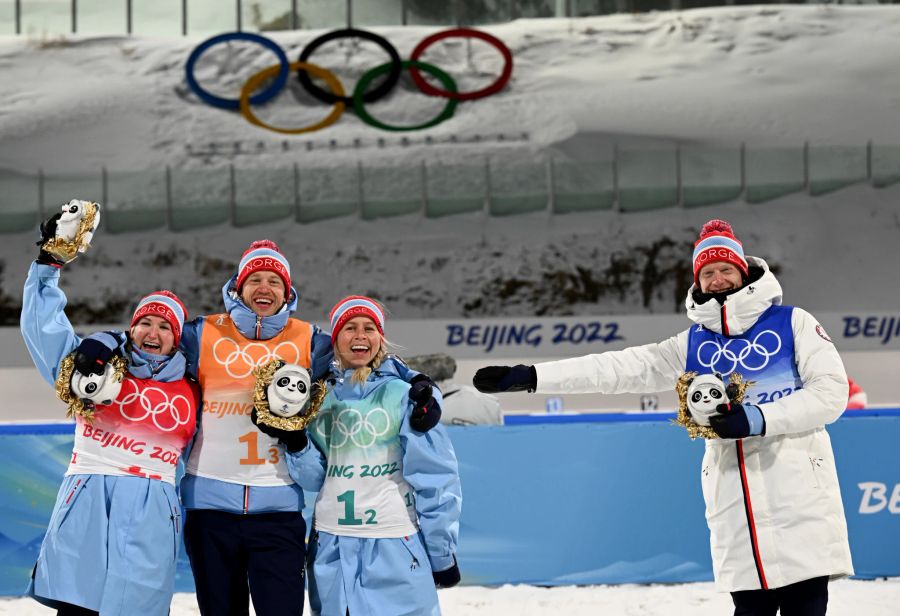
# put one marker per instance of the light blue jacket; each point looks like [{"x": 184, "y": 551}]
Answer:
[{"x": 386, "y": 576}]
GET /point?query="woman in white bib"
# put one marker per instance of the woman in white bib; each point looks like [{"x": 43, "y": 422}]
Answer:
[{"x": 387, "y": 514}]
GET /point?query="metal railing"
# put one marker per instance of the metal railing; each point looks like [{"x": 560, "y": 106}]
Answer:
[
  {"x": 170, "y": 17},
  {"x": 628, "y": 180}
]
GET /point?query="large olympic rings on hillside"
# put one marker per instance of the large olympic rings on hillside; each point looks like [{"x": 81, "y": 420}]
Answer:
[{"x": 335, "y": 94}]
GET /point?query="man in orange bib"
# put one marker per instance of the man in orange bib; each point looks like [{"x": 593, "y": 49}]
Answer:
[{"x": 244, "y": 533}]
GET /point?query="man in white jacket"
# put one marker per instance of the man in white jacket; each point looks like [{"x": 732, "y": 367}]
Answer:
[{"x": 773, "y": 503}]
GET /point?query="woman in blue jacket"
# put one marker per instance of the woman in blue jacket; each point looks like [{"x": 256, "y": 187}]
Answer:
[
  {"x": 387, "y": 513},
  {"x": 113, "y": 537}
]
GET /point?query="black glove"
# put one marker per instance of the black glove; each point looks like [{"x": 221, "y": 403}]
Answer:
[
  {"x": 91, "y": 356},
  {"x": 738, "y": 421},
  {"x": 497, "y": 379},
  {"x": 48, "y": 232},
  {"x": 448, "y": 578},
  {"x": 426, "y": 411},
  {"x": 293, "y": 440}
]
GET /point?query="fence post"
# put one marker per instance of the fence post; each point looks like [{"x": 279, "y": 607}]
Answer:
[
  {"x": 296, "y": 192},
  {"x": 104, "y": 187},
  {"x": 487, "y": 185},
  {"x": 232, "y": 197},
  {"x": 551, "y": 185},
  {"x": 170, "y": 215},
  {"x": 869, "y": 161},
  {"x": 360, "y": 197},
  {"x": 742, "y": 161},
  {"x": 18, "y": 16},
  {"x": 240, "y": 17},
  {"x": 128, "y": 16},
  {"x": 423, "y": 171},
  {"x": 40, "y": 188},
  {"x": 184, "y": 17},
  {"x": 403, "y": 13},
  {"x": 74, "y": 16},
  {"x": 615, "y": 178},
  {"x": 349, "y": 13},
  {"x": 679, "y": 185},
  {"x": 806, "y": 166},
  {"x": 293, "y": 14}
]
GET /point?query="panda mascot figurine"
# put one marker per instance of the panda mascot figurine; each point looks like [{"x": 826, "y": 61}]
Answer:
[
  {"x": 285, "y": 396},
  {"x": 69, "y": 233},
  {"x": 700, "y": 395}
]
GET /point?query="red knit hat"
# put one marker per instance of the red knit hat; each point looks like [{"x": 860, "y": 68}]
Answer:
[
  {"x": 264, "y": 255},
  {"x": 717, "y": 243},
  {"x": 166, "y": 305},
  {"x": 355, "y": 306}
]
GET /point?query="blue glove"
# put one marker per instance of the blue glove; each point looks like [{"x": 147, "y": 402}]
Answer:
[
  {"x": 426, "y": 411},
  {"x": 497, "y": 379},
  {"x": 738, "y": 421},
  {"x": 448, "y": 577}
]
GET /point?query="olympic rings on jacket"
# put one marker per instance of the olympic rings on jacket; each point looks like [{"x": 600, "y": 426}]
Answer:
[{"x": 335, "y": 94}]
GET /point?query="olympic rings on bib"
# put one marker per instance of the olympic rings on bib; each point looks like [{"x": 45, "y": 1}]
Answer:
[
  {"x": 335, "y": 94},
  {"x": 751, "y": 356},
  {"x": 155, "y": 403},
  {"x": 239, "y": 361}
]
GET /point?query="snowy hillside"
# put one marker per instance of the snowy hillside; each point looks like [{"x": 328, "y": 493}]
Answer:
[{"x": 768, "y": 76}]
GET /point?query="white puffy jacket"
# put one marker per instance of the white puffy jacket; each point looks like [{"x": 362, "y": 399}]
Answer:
[{"x": 773, "y": 504}]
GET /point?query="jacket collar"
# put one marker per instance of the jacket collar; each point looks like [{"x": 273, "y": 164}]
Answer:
[
  {"x": 742, "y": 308},
  {"x": 246, "y": 321}
]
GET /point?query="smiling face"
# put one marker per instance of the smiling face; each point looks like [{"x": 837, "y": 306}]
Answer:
[
  {"x": 704, "y": 394},
  {"x": 154, "y": 335},
  {"x": 719, "y": 277},
  {"x": 358, "y": 342},
  {"x": 263, "y": 292}
]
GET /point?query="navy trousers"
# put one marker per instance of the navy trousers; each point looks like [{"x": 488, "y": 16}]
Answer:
[
  {"x": 806, "y": 598},
  {"x": 236, "y": 558}
]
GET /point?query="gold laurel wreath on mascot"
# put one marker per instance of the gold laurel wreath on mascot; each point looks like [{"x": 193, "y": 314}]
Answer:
[
  {"x": 264, "y": 375},
  {"x": 78, "y": 406},
  {"x": 736, "y": 389},
  {"x": 67, "y": 249}
]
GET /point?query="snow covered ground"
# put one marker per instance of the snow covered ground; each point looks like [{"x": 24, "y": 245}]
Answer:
[{"x": 846, "y": 598}]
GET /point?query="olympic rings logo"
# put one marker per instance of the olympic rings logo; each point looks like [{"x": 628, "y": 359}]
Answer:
[
  {"x": 335, "y": 94},
  {"x": 239, "y": 361},
  {"x": 155, "y": 403},
  {"x": 752, "y": 356},
  {"x": 350, "y": 425}
]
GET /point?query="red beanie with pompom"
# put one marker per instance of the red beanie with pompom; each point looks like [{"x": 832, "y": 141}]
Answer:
[
  {"x": 264, "y": 255},
  {"x": 717, "y": 243}
]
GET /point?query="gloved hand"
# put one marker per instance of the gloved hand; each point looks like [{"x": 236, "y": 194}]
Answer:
[
  {"x": 293, "y": 440},
  {"x": 426, "y": 411},
  {"x": 91, "y": 356},
  {"x": 48, "y": 231},
  {"x": 498, "y": 379},
  {"x": 738, "y": 421},
  {"x": 448, "y": 578}
]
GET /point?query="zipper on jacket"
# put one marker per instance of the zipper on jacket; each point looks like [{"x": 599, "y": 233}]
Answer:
[
  {"x": 246, "y": 498},
  {"x": 751, "y": 522},
  {"x": 724, "y": 320},
  {"x": 258, "y": 325}
]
